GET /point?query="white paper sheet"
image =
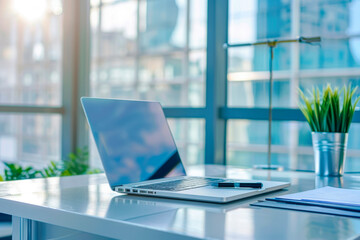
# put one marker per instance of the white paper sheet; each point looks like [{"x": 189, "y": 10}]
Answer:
[{"x": 341, "y": 196}]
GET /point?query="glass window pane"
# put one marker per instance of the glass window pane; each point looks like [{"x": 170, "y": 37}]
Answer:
[
  {"x": 118, "y": 34},
  {"x": 95, "y": 32},
  {"x": 197, "y": 64},
  {"x": 198, "y": 18},
  {"x": 335, "y": 61},
  {"x": 189, "y": 135},
  {"x": 258, "y": 19},
  {"x": 113, "y": 78},
  {"x": 94, "y": 157},
  {"x": 246, "y": 143},
  {"x": 30, "y": 52},
  {"x": 291, "y": 145},
  {"x": 333, "y": 53},
  {"x": 32, "y": 139},
  {"x": 334, "y": 21},
  {"x": 162, "y": 29},
  {"x": 158, "y": 69},
  {"x": 256, "y": 93},
  {"x": 161, "y": 63},
  {"x": 248, "y": 76},
  {"x": 246, "y": 59},
  {"x": 329, "y": 18},
  {"x": 94, "y": 3}
]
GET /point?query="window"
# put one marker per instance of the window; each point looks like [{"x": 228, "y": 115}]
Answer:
[
  {"x": 296, "y": 66},
  {"x": 215, "y": 99},
  {"x": 30, "y": 81},
  {"x": 140, "y": 52}
]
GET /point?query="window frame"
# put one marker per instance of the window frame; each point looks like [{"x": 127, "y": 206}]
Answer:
[
  {"x": 295, "y": 73},
  {"x": 75, "y": 71},
  {"x": 216, "y": 112}
]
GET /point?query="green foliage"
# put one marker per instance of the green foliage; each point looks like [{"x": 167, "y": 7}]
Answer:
[
  {"x": 1, "y": 178},
  {"x": 324, "y": 113},
  {"x": 75, "y": 164},
  {"x": 53, "y": 170},
  {"x": 15, "y": 172},
  {"x": 93, "y": 171}
]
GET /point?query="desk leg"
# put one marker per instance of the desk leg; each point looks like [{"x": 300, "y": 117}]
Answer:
[
  {"x": 27, "y": 229},
  {"x": 23, "y": 228}
]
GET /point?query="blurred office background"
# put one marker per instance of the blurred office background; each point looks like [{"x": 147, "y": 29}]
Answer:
[{"x": 54, "y": 51}]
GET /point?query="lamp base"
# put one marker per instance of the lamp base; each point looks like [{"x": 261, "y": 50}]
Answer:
[{"x": 267, "y": 167}]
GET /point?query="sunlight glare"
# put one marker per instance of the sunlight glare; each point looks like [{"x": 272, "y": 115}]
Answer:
[
  {"x": 56, "y": 7},
  {"x": 31, "y": 11}
]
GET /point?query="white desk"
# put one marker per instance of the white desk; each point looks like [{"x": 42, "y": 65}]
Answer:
[{"x": 84, "y": 207}]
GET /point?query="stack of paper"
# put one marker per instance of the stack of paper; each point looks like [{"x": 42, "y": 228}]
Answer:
[
  {"x": 341, "y": 196},
  {"x": 327, "y": 200}
]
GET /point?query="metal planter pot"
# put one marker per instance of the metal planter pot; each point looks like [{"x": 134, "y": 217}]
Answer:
[{"x": 330, "y": 153}]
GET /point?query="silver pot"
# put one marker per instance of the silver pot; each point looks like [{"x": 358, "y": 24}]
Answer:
[{"x": 330, "y": 153}]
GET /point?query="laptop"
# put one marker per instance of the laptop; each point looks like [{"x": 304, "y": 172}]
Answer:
[{"x": 140, "y": 157}]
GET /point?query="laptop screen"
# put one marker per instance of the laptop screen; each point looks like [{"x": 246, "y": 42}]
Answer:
[{"x": 133, "y": 139}]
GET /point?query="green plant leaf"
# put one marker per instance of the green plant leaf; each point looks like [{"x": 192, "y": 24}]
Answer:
[
  {"x": 75, "y": 164},
  {"x": 325, "y": 113}
]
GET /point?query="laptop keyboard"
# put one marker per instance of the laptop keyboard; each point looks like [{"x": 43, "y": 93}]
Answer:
[{"x": 182, "y": 184}]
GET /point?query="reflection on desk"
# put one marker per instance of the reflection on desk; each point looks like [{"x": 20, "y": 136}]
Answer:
[
  {"x": 232, "y": 221},
  {"x": 96, "y": 210}
]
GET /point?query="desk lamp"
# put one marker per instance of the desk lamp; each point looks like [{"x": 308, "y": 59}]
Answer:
[{"x": 272, "y": 43}]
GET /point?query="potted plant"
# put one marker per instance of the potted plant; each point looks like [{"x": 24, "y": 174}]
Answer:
[{"x": 329, "y": 116}]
